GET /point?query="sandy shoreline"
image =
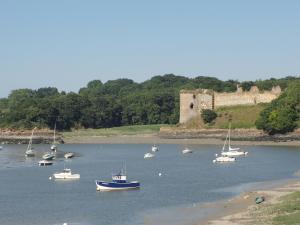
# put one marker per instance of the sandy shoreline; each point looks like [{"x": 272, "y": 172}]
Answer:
[
  {"x": 155, "y": 139},
  {"x": 242, "y": 210}
]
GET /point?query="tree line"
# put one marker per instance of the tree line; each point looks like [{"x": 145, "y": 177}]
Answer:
[{"x": 114, "y": 103}]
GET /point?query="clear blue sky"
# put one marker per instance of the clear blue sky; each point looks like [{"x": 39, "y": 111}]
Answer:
[{"x": 65, "y": 44}]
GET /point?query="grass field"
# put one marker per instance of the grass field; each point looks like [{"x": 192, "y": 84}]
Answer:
[
  {"x": 240, "y": 116},
  {"x": 288, "y": 211},
  {"x": 124, "y": 130}
]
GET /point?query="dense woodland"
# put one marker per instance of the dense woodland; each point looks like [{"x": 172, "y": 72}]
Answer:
[{"x": 114, "y": 103}]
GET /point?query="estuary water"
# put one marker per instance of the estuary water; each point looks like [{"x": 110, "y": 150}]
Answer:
[{"x": 28, "y": 197}]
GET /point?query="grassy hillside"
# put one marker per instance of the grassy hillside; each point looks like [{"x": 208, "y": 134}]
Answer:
[
  {"x": 241, "y": 117},
  {"x": 124, "y": 130}
]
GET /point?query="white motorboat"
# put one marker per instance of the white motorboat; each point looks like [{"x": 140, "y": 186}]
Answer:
[
  {"x": 186, "y": 151},
  {"x": 224, "y": 159},
  {"x": 154, "y": 148},
  {"x": 148, "y": 155},
  {"x": 69, "y": 155},
  {"x": 48, "y": 156},
  {"x": 29, "y": 151},
  {"x": 66, "y": 174},
  {"x": 45, "y": 163},
  {"x": 231, "y": 151}
]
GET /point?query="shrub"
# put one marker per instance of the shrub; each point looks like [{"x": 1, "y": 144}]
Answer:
[{"x": 208, "y": 115}]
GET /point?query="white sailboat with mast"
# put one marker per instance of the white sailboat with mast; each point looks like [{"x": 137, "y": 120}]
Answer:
[
  {"x": 29, "y": 151},
  {"x": 231, "y": 151},
  {"x": 53, "y": 146},
  {"x": 224, "y": 158}
]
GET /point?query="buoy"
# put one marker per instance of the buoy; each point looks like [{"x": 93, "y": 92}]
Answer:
[
  {"x": 50, "y": 178},
  {"x": 65, "y": 224},
  {"x": 159, "y": 174},
  {"x": 216, "y": 155},
  {"x": 214, "y": 161}
]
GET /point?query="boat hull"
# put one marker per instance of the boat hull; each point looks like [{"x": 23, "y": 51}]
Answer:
[
  {"x": 45, "y": 163},
  {"x": 69, "y": 155},
  {"x": 64, "y": 176},
  {"x": 115, "y": 186},
  {"x": 186, "y": 151},
  {"x": 234, "y": 153},
  {"x": 148, "y": 156},
  {"x": 224, "y": 159}
]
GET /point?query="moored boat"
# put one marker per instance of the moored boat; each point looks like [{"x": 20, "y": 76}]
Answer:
[
  {"x": 45, "y": 163},
  {"x": 69, "y": 155},
  {"x": 119, "y": 182},
  {"x": 29, "y": 151},
  {"x": 231, "y": 152},
  {"x": 224, "y": 159},
  {"x": 48, "y": 156},
  {"x": 186, "y": 150},
  {"x": 66, "y": 174},
  {"x": 54, "y": 146},
  {"x": 234, "y": 153},
  {"x": 154, "y": 148},
  {"x": 148, "y": 155}
]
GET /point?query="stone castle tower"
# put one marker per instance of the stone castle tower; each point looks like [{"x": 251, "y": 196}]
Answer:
[{"x": 192, "y": 102}]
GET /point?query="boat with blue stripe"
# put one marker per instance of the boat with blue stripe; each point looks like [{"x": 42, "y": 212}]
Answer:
[{"x": 119, "y": 182}]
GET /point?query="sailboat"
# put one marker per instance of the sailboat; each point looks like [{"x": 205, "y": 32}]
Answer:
[
  {"x": 231, "y": 151},
  {"x": 29, "y": 152},
  {"x": 53, "y": 146},
  {"x": 224, "y": 158}
]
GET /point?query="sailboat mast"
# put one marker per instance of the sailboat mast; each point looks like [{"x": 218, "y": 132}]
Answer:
[
  {"x": 30, "y": 140},
  {"x": 54, "y": 133},
  {"x": 229, "y": 135},
  {"x": 225, "y": 142}
]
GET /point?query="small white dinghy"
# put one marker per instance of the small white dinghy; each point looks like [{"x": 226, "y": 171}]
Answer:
[
  {"x": 69, "y": 155},
  {"x": 154, "y": 148},
  {"x": 148, "y": 155},
  {"x": 48, "y": 156},
  {"x": 186, "y": 151},
  {"x": 66, "y": 174}
]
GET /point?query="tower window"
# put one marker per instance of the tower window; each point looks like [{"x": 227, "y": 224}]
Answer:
[{"x": 191, "y": 106}]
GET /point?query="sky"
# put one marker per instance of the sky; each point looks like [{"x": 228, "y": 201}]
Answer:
[{"x": 67, "y": 43}]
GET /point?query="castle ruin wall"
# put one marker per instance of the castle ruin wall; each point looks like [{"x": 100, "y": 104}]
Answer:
[{"x": 192, "y": 102}]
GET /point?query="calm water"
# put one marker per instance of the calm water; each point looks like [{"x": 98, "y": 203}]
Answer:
[{"x": 27, "y": 196}]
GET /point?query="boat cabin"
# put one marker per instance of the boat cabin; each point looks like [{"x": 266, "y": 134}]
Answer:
[{"x": 119, "y": 178}]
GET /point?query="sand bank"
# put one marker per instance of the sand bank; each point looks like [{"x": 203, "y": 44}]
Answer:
[
  {"x": 242, "y": 210},
  {"x": 155, "y": 139}
]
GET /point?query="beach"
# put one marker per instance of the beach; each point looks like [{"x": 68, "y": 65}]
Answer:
[
  {"x": 156, "y": 139},
  {"x": 242, "y": 210}
]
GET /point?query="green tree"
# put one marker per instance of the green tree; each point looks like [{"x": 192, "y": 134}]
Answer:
[
  {"x": 282, "y": 113},
  {"x": 208, "y": 115}
]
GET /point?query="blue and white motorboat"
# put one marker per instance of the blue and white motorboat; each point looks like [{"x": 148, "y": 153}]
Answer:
[{"x": 118, "y": 182}]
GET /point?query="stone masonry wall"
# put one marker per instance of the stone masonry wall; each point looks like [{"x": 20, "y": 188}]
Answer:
[{"x": 192, "y": 102}]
